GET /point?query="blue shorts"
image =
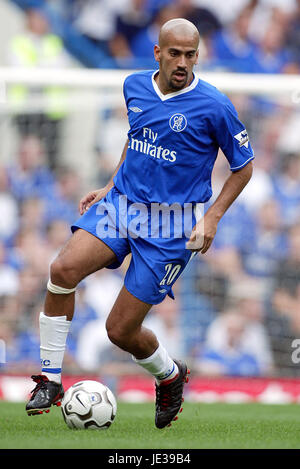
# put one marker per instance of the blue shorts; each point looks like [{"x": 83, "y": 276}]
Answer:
[{"x": 157, "y": 259}]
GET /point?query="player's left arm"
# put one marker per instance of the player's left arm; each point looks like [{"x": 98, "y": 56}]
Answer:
[{"x": 205, "y": 230}]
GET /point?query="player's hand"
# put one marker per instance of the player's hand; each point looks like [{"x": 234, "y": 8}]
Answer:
[
  {"x": 91, "y": 198},
  {"x": 203, "y": 234}
]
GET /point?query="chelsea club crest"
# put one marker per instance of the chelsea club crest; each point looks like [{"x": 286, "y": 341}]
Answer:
[{"x": 178, "y": 122}]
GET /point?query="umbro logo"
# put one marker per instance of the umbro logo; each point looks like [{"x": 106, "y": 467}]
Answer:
[{"x": 135, "y": 109}]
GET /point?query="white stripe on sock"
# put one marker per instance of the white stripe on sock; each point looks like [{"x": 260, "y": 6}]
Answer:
[{"x": 159, "y": 364}]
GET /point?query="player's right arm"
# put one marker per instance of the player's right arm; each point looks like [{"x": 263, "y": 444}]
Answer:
[{"x": 94, "y": 196}]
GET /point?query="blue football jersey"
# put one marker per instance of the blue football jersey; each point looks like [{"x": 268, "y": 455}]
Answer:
[{"x": 174, "y": 141}]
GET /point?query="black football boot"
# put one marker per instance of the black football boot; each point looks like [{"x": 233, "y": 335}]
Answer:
[
  {"x": 44, "y": 395},
  {"x": 169, "y": 397}
]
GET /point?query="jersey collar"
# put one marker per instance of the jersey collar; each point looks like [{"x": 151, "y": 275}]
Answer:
[{"x": 164, "y": 97}]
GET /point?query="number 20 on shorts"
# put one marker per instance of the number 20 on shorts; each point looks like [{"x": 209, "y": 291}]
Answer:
[{"x": 171, "y": 273}]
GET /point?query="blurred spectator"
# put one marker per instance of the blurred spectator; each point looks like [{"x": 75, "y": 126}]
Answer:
[
  {"x": 93, "y": 348},
  {"x": 110, "y": 143},
  {"x": 10, "y": 308},
  {"x": 287, "y": 281},
  {"x": 270, "y": 55},
  {"x": 206, "y": 21},
  {"x": 8, "y": 208},
  {"x": 102, "y": 289},
  {"x": 58, "y": 232},
  {"x": 12, "y": 353},
  {"x": 231, "y": 358},
  {"x": 269, "y": 244},
  {"x": 38, "y": 47},
  {"x": 286, "y": 182},
  {"x": 231, "y": 47},
  {"x": 32, "y": 214},
  {"x": 225, "y": 12},
  {"x": 267, "y": 117},
  {"x": 138, "y": 26},
  {"x": 236, "y": 229},
  {"x": 9, "y": 280},
  {"x": 265, "y": 11},
  {"x": 96, "y": 20},
  {"x": 129, "y": 23},
  {"x": 239, "y": 49},
  {"x": 164, "y": 320},
  {"x": 62, "y": 202},
  {"x": 142, "y": 46},
  {"x": 20, "y": 334},
  {"x": 283, "y": 318},
  {"x": 29, "y": 175},
  {"x": 293, "y": 33},
  {"x": 84, "y": 314},
  {"x": 89, "y": 343},
  {"x": 133, "y": 19},
  {"x": 22, "y": 343},
  {"x": 257, "y": 192},
  {"x": 248, "y": 299},
  {"x": 32, "y": 251},
  {"x": 288, "y": 137},
  {"x": 237, "y": 342},
  {"x": 201, "y": 292}
]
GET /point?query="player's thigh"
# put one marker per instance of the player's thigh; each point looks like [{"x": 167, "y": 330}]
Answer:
[
  {"x": 82, "y": 255},
  {"x": 127, "y": 314}
]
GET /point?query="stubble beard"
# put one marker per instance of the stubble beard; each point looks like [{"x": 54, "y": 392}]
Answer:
[{"x": 176, "y": 86}]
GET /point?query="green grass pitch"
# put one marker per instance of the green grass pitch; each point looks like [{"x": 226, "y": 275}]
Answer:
[{"x": 210, "y": 426}]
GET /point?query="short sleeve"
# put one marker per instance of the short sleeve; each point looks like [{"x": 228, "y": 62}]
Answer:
[
  {"x": 232, "y": 137},
  {"x": 125, "y": 93}
]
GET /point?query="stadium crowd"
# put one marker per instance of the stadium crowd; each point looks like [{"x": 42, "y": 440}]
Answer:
[
  {"x": 237, "y": 308},
  {"x": 253, "y": 36}
]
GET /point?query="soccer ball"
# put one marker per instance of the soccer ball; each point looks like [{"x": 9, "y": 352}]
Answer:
[{"x": 89, "y": 404}]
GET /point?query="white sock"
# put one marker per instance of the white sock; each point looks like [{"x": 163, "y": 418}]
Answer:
[
  {"x": 53, "y": 335},
  {"x": 159, "y": 364}
]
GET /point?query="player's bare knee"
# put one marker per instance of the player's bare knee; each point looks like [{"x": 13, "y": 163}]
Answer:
[
  {"x": 117, "y": 335},
  {"x": 63, "y": 274},
  {"x": 113, "y": 334}
]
